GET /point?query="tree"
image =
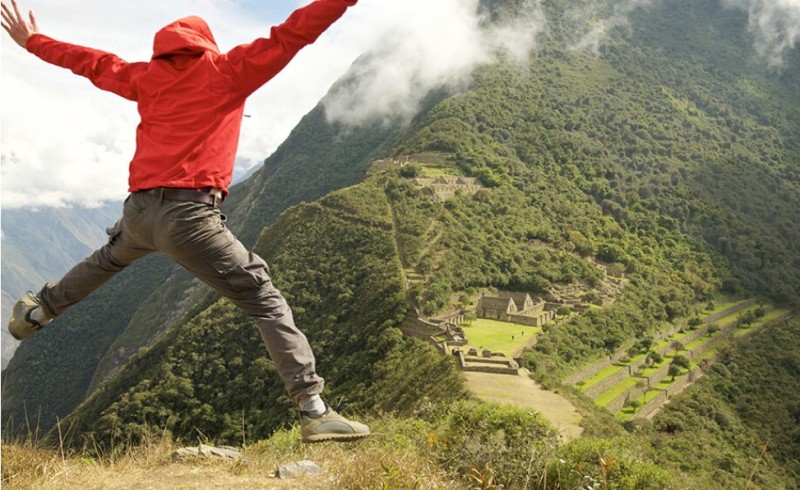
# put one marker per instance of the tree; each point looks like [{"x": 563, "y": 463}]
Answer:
[
  {"x": 673, "y": 371},
  {"x": 411, "y": 171},
  {"x": 681, "y": 361},
  {"x": 654, "y": 358},
  {"x": 470, "y": 317},
  {"x": 677, "y": 346},
  {"x": 634, "y": 404}
]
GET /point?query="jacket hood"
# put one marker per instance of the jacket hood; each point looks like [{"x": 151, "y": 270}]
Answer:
[{"x": 189, "y": 35}]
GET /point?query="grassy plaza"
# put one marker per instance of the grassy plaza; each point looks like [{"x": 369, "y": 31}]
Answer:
[{"x": 498, "y": 336}]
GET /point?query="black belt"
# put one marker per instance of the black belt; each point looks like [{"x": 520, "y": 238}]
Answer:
[{"x": 210, "y": 196}]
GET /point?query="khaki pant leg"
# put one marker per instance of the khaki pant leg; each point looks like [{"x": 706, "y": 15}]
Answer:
[
  {"x": 80, "y": 281},
  {"x": 196, "y": 237}
]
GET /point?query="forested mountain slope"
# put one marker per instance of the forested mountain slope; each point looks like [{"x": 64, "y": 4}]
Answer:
[{"x": 673, "y": 159}]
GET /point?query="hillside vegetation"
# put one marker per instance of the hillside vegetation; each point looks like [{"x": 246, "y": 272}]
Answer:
[{"x": 671, "y": 161}]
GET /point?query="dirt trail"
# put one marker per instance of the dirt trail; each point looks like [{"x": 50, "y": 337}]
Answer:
[{"x": 525, "y": 392}]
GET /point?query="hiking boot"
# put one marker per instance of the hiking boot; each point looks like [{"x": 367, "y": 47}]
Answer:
[
  {"x": 21, "y": 326},
  {"x": 330, "y": 426}
]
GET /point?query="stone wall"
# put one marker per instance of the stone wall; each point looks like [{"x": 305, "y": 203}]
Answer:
[
  {"x": 683, "y": 381},
  {"x": 462, "y": 363},
  {"x": 488, "y": 360},
  {"x": 455, "y": 317},
  {"x": 603, "y": 363},
  {"x": 594, "y": 368},
  {"x": 694, "y": 334},
  {"x": 417, "y": 327},
  {"x": 606, "y": 384},
  {"x": 658, "y": 375},
  {"x": 717, "y": 339},
  {"x": 502, "y": 366},
  {"x": 492, "y": 369},
  {"x": 651, "y": 407},
  {"x": 521, "y": 349},
  {"x": 531, "y": 321},
  {"x": 617, "y": 403},
  {"x": 730, "y": 311}
]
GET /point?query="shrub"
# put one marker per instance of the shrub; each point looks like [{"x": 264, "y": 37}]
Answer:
[
  {"x": 598, "y": 463},
  {"x": 510, "y": 443},
  {"x": 411, "y": 171}
]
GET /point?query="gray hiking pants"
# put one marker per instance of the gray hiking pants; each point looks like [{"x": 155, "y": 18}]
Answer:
[{"x": 195, "y": 236}]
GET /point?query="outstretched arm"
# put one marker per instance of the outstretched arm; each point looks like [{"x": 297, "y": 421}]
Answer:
[
  {"x": 105, "y": 70},
  {"x": 16, "y": 26},
  {"x": 256, "y": 63}
]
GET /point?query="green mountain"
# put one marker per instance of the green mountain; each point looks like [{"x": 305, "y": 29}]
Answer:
[{"x": 670, "y": 160}]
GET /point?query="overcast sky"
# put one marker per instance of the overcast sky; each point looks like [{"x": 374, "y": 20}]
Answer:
[{"x": 64, "y": 142}]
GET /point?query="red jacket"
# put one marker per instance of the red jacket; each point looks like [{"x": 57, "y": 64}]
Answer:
[{"x": 190, "y": 96}]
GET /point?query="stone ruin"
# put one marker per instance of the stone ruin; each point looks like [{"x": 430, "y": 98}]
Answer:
[{"x": 519, "y": 308}]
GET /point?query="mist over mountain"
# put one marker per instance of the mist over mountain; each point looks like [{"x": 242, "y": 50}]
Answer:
[{"x": 657, "y": 141}]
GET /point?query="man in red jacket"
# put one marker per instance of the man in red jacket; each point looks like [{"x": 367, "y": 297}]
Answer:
[{"x": 190, "y": 97}]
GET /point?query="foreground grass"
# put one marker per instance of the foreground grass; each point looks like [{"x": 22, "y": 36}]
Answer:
[
  {"x": 391, "y": 458},
  {"x": 464, "y": 445}
]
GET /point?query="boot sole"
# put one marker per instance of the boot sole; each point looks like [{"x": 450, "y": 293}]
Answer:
[{"x": 335, "y": 437}]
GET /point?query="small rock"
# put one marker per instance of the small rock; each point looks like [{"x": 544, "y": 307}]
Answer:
[
  {"x": 300, "y": 468},
  {"x": 223, "y": 452}
]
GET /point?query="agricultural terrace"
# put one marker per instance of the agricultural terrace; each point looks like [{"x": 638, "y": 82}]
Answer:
[{"x": 733, "y": 318}]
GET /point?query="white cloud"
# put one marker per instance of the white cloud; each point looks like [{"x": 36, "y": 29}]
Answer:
[
  {"x": 436, "y": 44},
  {"x": 592, "y": 29},
  {"x": 775, "y": 25}
]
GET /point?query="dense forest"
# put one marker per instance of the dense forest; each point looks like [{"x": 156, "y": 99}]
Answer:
[{"x": 673, "y": 160}]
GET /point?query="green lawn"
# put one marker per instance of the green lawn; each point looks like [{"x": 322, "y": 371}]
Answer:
[
  {"x": 628, "y": 412},
  {"x": 721, "y": 307},
  {"x": 735, "y": 316},
  {"x": 437, "y": 172},
  {"x": 699, "y": 341},
  {"x": 772, "y": 315},
  {"x": 617, "y": 390},
  {"x": 648, "y": 370},
  {"x": 498, "y": 336},
  {"x": 667, "y": 381},
  {"x": 708, "y": 354},
  {"x": 599, "y": 376}
]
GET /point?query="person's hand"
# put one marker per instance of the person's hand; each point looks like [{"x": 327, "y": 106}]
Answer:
[{"x": 16, "y": 26}]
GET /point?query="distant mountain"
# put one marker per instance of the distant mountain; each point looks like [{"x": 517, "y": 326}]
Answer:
[
  {"x": 41, "y": 245},
  {"x": 670, "y": 158}
]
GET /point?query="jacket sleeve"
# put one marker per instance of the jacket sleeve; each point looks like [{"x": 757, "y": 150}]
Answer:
[
  {"x": 256, "y": 63},
  {"x": 104, "y": 70}
]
